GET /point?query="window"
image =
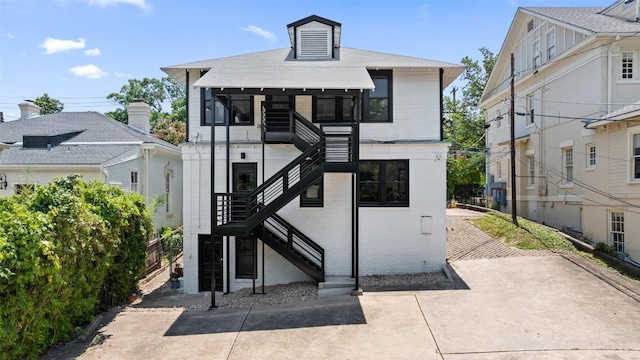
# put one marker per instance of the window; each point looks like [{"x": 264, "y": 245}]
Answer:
[
  {"x": 384, "y": 183},
  {"x": 334, "y": 108},
  {"x": 134, "y": 182},
  {"x": 312, "y": 196},
  {"x": 616, "y": 233},
  {"x": 568, "y": 164},
  {"x": 244, "y": 176},
  {"x": 551, "y": 44},
  {"x": 636, "y": 157},
  {"x": 530, "y": 109},
  {"x": 245, "y": 255},
  {"x": 591, "y": 156},
  {"x": 627, "y": 65},
  {"x": 532, "y": 170},
  {"x": 167, "y": 193},
  {"x": 535, "y": 53},
  {"x": 530, "y": 25},
  {"x": 377, "y": 104},
  {"x": 235, "y": 108},
  {"x": 499, "y": 170}
]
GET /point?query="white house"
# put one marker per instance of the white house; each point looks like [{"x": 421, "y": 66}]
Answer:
[
  {"x": 43, "y": 147},
  {"x": 330, "y": 156},
  {"x": 572, "y": 66}
]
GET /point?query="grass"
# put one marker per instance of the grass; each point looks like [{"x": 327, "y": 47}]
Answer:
[{"x": 527, "y": 236}]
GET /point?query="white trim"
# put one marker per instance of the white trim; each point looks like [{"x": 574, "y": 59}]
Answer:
[
  {"x": 565, "y": 144},
  {"x": 531, "y": 152}
]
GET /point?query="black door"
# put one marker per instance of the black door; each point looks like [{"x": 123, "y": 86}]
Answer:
[
  {"x": 245, "y": 179},
  {"x": 205, "y": 255}
]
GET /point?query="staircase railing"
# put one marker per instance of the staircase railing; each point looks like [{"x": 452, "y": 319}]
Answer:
[
  {"x": 239, "y": 207},
  {"x": 295, "y": 240},
  {"x": 337, "y": 143},
  {"x": 282, "y": 120}
]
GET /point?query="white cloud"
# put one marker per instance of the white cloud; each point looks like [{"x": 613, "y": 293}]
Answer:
[
  {"x": 264, "y": 33},
  {"x": 104, "y": 3},
  {"x": 88, "y": 71},
  {"x": 53, "y": 46},
  {"x": 121, "y": 75},
  {"x": 92, "y": 52},
  {"x": 9, "y": 36}
]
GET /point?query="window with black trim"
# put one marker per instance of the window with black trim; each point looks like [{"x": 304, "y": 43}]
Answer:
[
  {"x": 313, "y": 195},
  {"x": 328, "y": 108},
  {"x": 245, "y": 252},
  {"x": 378, "y": 103},
  {"x": 384, "y": 183},
  {"x": 222, "y": 108}
]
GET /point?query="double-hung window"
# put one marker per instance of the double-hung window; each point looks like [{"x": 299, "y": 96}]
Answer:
[
  {"x": 378, "y": 103},
  {"x": 551, "y": 44},
  {"x": 327, "y": 108},
  {"x": 591, "y": 156},
  {"x": 535, "y": 54},
  {"x": 532, "y": 170},
  {"x": 312, "y": 196},
  {"x": 133, "y": 187},
  {"x": 530, "y": 109},
  {"x": 568, "y": 164},
  {"x": 616, "y": 232},
  {"x": 384, "y": 183},
  {"x": 628, "y": 65},
  {"x": 635, "y": 155}
]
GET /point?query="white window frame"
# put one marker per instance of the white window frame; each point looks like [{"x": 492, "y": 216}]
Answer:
[
  {"x": 634, "y": 65},
  {"x": 551, "y": 45},
  {"x": 536, "y": 57},
  {"x": 634, "y": 156},
  {"x": 532, "y": 170},
  {"x": 167, "y": 185},
  {"x": 530, "y": 110},
  {"x": 591, "y": 156},
  {"x": 616, "y": 231},
  {"x": 134, "y": 181},
  {"x": 567, "y": 164},
  {"x": 499, "y": 170}
]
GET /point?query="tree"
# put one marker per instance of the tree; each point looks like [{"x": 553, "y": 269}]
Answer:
[
  {"x": 154, "y": 92},
  {"x": 171, "y": 131},
  {"x": 48, "y": 105},
  {"x": 465, "y": 125}
]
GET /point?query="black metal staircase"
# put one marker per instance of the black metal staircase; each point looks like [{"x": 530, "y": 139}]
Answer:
[{"x": 330, "y": 148}]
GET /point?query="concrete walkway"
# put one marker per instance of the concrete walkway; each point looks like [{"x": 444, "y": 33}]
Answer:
[{"x": 517, "y": 307}]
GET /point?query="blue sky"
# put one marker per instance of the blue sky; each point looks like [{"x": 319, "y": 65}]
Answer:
[{"x": 79, "y": 51}]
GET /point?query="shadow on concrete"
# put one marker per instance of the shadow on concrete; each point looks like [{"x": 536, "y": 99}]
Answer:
[
  {"x": 456, "y": 280},
  {"x": 325, "y": 312}
]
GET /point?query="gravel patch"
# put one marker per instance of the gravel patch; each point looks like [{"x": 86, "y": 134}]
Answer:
[
  {"x": 404, "y": 279},
  {"x": 274, "y": 294}
]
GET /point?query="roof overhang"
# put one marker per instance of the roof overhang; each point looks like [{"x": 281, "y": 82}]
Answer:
[
  {"x": 630, "y": 112},
  {"x": 294, "y": 77},
  {"x": 519, "y": 140}
]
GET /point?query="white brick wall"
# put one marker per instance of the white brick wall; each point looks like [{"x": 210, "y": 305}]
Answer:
[{"x": 390, "y": 238}]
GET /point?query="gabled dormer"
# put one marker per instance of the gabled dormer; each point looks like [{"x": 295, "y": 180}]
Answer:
[{"x": 314, "y": 38}]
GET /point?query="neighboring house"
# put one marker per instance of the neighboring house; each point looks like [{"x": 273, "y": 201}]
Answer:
[
  {"x": 335, "y": 178},
  {"x": 572, "y": 65},
  {"x": 43, "y": 147},
  {"x": 612, "y": 214}
]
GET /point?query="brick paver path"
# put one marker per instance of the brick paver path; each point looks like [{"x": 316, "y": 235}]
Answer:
[{"x": 467, "y": 242}]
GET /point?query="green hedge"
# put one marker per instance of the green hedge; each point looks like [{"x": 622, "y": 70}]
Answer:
[{"x": 60, "y": 245}]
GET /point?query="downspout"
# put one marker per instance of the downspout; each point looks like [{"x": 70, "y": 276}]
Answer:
[
  {"x": 441, "y": 104},
  {"x": 610, "y": 73},
  {"x": 214, "y": 215},
  {"x": 187, "y": 104},
  {"x": 146, "y": 176}
]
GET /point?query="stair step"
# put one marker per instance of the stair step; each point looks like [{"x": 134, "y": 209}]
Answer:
[{"x": 334, "y": 282}]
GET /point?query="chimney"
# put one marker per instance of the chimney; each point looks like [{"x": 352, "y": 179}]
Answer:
[
  {"x": 139, "y": 112},
  {"x": 28, "y": 108}
]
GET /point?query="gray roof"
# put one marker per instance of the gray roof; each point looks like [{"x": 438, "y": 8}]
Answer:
[
  {"x": 99, "y": 139},
  {"x": 588, "y": 18},
  {"x": 62, "y": 155},
  {"x": 623, "y": 113},
  {"x": 268, "y": 66},
  {"x": 95, "y": 127}
]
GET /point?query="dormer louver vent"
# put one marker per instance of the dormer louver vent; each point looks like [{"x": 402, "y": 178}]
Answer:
[
  {"x": 314, "y": 43},
  {"x": 530, "y": 26}
]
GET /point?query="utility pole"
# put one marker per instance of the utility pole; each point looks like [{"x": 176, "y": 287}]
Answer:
[{"x": 512, "y": 114}]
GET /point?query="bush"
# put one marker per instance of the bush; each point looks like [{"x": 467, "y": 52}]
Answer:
[
  {"x": 607, "y": 249},
  {"x": 59, "y": 246}
]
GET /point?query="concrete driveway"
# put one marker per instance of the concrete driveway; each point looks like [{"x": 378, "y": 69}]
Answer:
[{"x": 518, "y": 307}]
